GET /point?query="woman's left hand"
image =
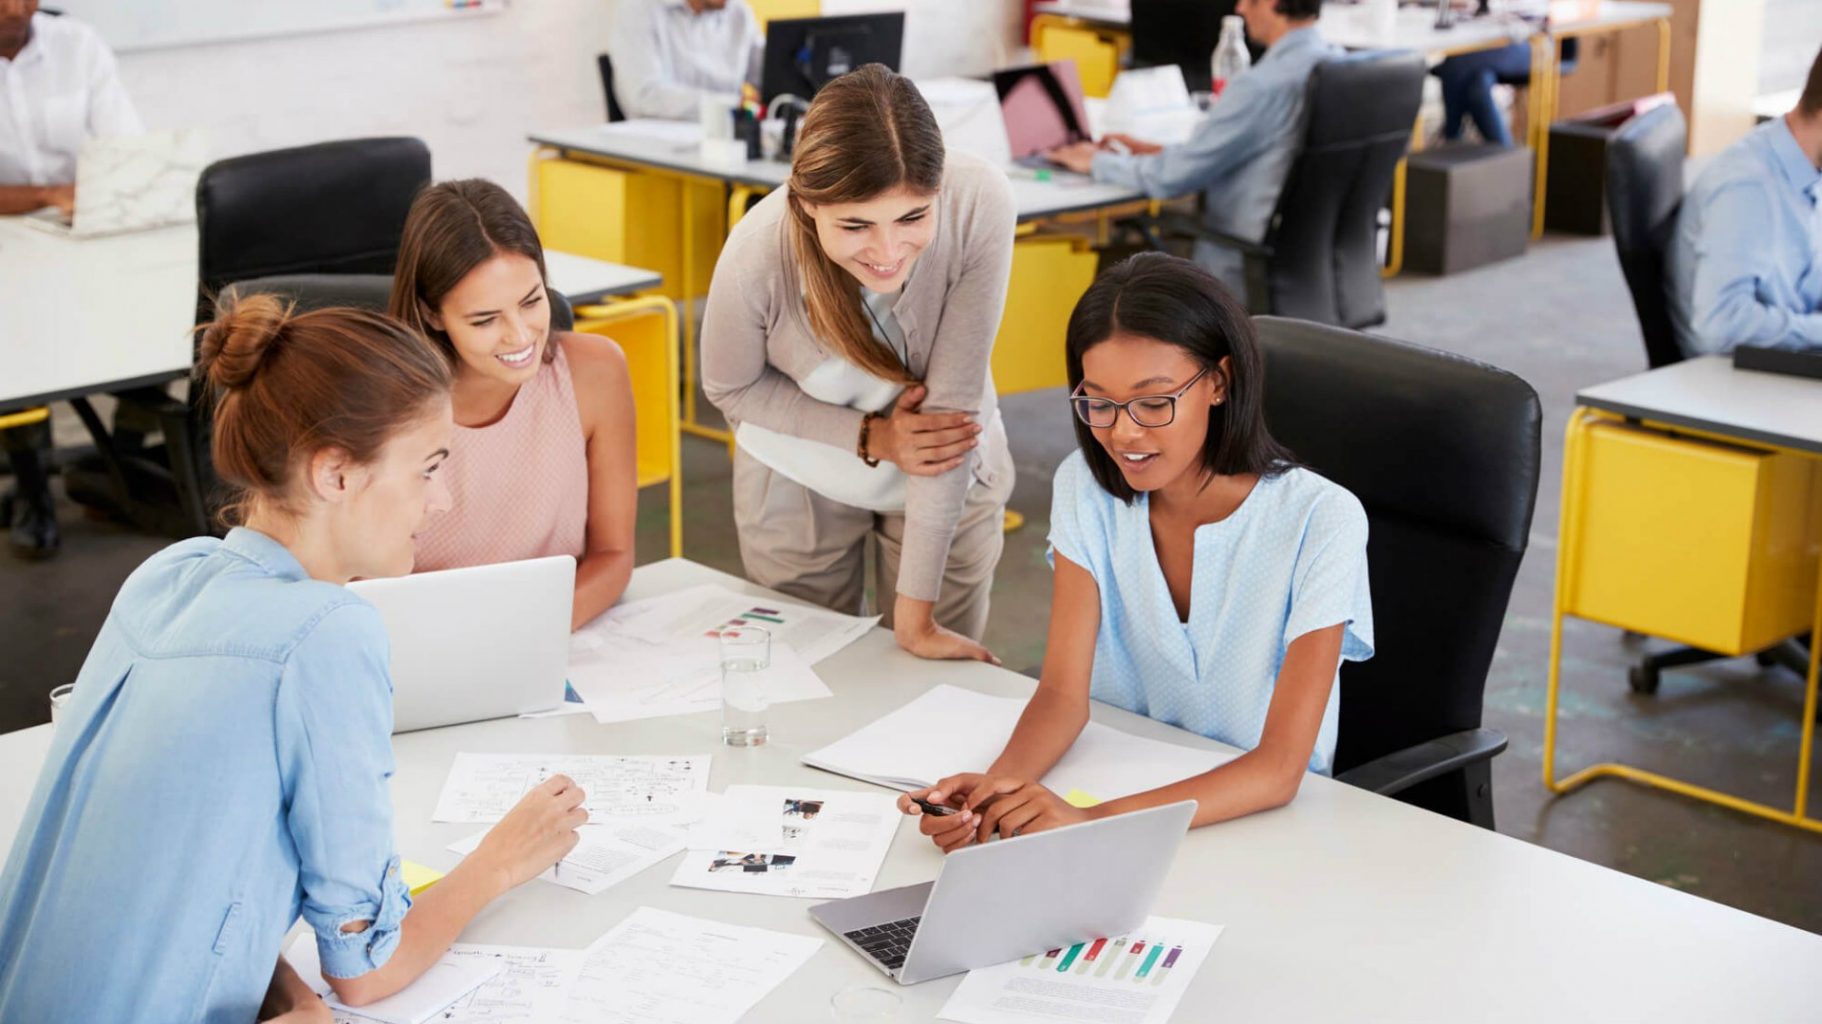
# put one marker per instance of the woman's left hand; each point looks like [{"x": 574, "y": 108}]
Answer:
[
  {"x": 1076, "y": 156},
  {"x": 1028, "y": 808},
  {"x": 939, "y": 644}
]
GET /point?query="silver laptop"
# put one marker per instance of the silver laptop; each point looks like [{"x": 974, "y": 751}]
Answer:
[
  {"x": 1010, "y": 898},
  {"x": 489, "y": 641},
  {"x": 132, "y": 183}
]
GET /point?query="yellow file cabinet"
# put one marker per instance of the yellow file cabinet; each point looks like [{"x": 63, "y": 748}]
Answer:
[
  {"x": 1701, "y": 542},
  {"x": 1096, "y": 51},
  {"x": 1049, "y": 273},
  {"x": 629, "y": 217}
]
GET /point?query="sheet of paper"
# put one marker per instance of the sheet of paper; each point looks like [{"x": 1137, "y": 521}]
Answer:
[
  {"x": 702, "y": 611},
  {"x": 532, "y": 987},
  {"x": 605, "y": 855},
  {"x": 656, "y": 789},
  {"x": 1136, "y": 978},
  {"x": 791, "y": 841},
  {"x": 950, "y": 730},
  {"x": 626, "y": 679},
  {"x": 657, "y": 967},
  {"x": 444, "y": 983}
]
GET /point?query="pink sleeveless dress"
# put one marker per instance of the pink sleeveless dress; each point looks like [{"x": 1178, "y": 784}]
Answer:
[{"x": 518, "y": 487}]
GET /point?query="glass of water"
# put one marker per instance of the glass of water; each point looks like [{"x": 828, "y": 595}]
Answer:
[
  {"x": 746, "y": 655},
  {"x": 59, "y": 698},
  {"x": 864, "y": 1004}
]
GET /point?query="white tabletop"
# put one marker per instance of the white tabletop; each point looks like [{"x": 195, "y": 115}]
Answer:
[
  {"x": 583, "y": 280},
  {"x": 1101, "y": 12},
  {"x": 1349, "y": 26},
  {"x": 94, "y": 314},
  {"x": 1708, "y": 394},
  {"x": 965, "y": 109},
  {"x": 1341, "y": 906}
]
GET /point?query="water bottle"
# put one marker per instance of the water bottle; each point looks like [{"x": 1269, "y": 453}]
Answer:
[{"x": 1230, "y": 57}]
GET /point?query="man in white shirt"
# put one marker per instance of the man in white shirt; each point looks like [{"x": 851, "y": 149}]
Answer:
[
  {"x": 668, "y": 54},
  {"x": 58, "y": 88}
]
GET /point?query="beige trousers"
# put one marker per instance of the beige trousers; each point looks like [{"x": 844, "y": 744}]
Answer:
[{"x": 800, "y": 543}]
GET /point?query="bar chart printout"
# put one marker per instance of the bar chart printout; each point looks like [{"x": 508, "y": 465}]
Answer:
[{"x": 1137, "y": 978}]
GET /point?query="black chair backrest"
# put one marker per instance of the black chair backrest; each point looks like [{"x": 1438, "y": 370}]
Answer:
[
  {"x": 1324, "y": 235},
  {"x": 1443, "y": 453},
  {"x": 363, "y": 291},
  {"x": 330, "y": 208},
  {"x": 1644, "y": 192},
  {"x": 1181, "y": 32},
  {"x": 606, "y": 65}
]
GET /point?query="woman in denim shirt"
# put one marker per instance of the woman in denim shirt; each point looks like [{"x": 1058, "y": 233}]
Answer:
[{"x": 223, "y": 765}]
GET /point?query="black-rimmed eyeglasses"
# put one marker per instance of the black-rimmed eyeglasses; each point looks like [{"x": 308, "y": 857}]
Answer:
[{"x": 1146, "y": 410}]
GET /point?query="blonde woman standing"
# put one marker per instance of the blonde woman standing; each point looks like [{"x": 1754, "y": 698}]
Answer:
[{"x": 846, "y": 339}]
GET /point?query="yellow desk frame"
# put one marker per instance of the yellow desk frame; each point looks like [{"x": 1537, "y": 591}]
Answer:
[{"x": 1582, "y": 425}]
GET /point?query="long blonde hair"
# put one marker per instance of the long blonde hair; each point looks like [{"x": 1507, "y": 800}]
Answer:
[{"x": 866, "y": 133}]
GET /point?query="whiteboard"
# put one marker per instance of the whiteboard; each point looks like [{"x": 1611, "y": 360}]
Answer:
[{"x": 148, "y": 24}]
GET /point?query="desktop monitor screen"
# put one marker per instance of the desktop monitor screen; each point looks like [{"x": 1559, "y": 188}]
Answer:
[
  {"x": 1042, "y": 106},
  {"x": 803, "y": 54}
]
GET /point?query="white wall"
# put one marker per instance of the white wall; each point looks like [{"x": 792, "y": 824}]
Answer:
[{"x": 471, "y": 88}]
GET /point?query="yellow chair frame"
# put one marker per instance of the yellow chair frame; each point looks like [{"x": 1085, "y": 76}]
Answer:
[{"x": 651, "y": 357}]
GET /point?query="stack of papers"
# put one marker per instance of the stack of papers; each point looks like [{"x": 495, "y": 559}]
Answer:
[
  {"x": 790, "y": 841},
  {"x": 950, "y": 730},
  {"x": 656, "y": 657},
  {"x": 657, "y": 967},
  {"x": 637, "y": 807},
  {"x": 1138, "y": 978}
]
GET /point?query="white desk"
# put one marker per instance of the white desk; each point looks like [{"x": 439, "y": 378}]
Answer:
[
  {"x": 1112, "y": 13},
  {"x": 96, "y": 314},
  {"x": 1709, "y": 395},
  {"x": 966, "y": 111},
  {"x": 1342, "y": 906},
  {"x": 583, "y": 280}
]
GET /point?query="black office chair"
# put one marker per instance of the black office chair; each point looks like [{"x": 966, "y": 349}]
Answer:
[
  {"x": 1644, "y": 193},
  {"x": 1319, "y": 259},
  {"x": 606, "y": 64},
  {"x": 1443, "y": 452}
]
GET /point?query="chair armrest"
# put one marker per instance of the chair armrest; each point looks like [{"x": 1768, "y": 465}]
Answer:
[
  {"x": 1400, "y": 770},
  {"x": 1177, "y": 225}
]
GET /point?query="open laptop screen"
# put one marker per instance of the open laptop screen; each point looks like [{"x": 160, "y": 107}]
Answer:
[{"x": 1042, "y": 106}]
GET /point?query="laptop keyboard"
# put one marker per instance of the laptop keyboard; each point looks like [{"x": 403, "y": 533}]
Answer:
[{"x": 888, "y": 943}]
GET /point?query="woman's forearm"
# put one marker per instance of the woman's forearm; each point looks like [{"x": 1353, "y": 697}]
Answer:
[
  {"x": 601, "y": 578},
  {"x": 1255, "y": 781},
  {"x": 432, "y": 923},
  {"x": 1049, "y": 725}
]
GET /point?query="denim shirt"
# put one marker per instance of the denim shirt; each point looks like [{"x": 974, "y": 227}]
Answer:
[
  {"x": 1746, "y": 263},
  {"x": 1239, "y": 155},
  {"x": 222, "y": 766}
]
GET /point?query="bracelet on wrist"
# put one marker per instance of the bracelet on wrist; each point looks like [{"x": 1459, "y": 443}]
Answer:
[{"x": 866, "y": 429}]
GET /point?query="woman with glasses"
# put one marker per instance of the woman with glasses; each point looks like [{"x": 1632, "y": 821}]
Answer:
[
  {"x": 1202, "y": 577},
  {"x": 846, "y": 339}
]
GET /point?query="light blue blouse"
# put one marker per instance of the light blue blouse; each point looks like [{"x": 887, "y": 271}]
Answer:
[
  {"x": 222, "y": 766},
  {"x": 1290, "y": 560}
]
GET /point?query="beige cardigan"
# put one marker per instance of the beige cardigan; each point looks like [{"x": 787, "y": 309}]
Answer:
[{"x": 757, "y": 342}]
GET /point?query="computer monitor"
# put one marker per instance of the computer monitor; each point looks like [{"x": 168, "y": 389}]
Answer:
[
  {"x": 1181, "y": 32},
  {"x": 803, "y": 54},
  {"x": 1042, "y": 107}
]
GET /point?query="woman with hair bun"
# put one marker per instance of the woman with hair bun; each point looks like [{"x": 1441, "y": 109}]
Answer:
[{"x": 222, "y": 767}]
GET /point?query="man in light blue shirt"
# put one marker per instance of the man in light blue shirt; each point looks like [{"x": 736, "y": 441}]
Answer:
[
  {"x": 1241, "y": 153},
  {"x": 1746, "y": 263}
]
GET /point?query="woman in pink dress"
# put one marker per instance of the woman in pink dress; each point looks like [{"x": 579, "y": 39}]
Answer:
[{"x": 542, "y": 462}]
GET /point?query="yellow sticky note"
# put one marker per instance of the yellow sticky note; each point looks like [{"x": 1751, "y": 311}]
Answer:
[
  {"x": 418, "y": 877},
  {"x": 1077, "y": 798}
]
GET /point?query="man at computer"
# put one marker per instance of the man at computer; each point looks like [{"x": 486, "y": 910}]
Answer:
[
  {"x": 58, "y": 88},
  {"x": 1241, "y": 152},
  {"x": 668, "y": 54},
  {"x": 1746, "y": 263}
]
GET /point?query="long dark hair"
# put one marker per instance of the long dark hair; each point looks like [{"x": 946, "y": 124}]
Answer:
[
  {"x": 1175, "y": 301},
  {"x": 865, "y": 133},
  {"x": 454, "y": 227}
]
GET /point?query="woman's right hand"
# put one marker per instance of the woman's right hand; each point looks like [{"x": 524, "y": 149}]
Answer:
[
  {"x": 922, "y": 444},
  {"x": 951, "y": 832},
  {"x": 539, "y": 831}
]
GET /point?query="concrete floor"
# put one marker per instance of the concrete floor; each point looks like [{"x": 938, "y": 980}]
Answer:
[{"x": 1560, "y": 318}]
